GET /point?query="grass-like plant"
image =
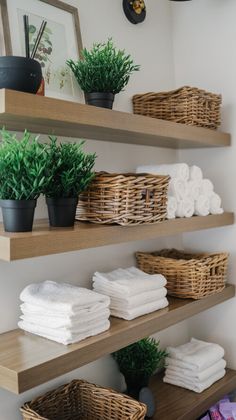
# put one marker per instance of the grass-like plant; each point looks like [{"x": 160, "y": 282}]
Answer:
[
  {"x": 71, "y": 169},
  {"x": 103, "y": 69},
  {"x": 23, "y": 167}
]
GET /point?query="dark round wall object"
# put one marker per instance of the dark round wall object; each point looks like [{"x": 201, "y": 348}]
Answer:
[
  {"x": 20, "y": 73},
  {"x": 135, "y": 10}
]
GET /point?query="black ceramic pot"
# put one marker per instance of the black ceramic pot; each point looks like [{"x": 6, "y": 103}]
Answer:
[
  {"x": 18, "y": 215},
  {"x": 137, "y": 388},
  {"x": 20, "y": 73},
  {"x": 101, "y": 99},
  {"x": 61, "y": 211}
]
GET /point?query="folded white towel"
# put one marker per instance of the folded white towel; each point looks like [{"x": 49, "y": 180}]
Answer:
[
  {"x": 207, "y": 187},
  {"x": 178, "y": 188},
  {"x": 198, "y": 354},
  {"x": 193, "y": 188},
  {"x": 171, "y": 207},
  {"x": 173, "y": 370},
  {"x": 62, "y": 296},
  {"x": 195, "y": 386},
  {"x": 202, "y": 205},
  {"x": 130, "y": 314},
  {"x": 215, "y": 204},
  {"x": 185, "y": 208},
  {"x": 195, "y": 173},
  {"x": 175, "y": 170}
]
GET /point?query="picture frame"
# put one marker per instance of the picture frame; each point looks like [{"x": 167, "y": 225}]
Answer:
[{"x": 61, "y": 40}]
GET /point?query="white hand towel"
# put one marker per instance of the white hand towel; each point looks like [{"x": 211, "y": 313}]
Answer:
[
  {"x": 175, "y": 170},
  {"x": 141, "y": 310},
  {"x": 193, "y": 188},
  {"x": 60, "y": 337},
  {"x": 195, "y": 386},
  {"x": 215, "y": 204},
  {"x": 61, "y": 296},
  {"x": 195, "y": 173},
  {"x": 178, "y": 188},
  {"x": 202, "y": 206},
  {"x": 198, "y": 354},
  {"x": 185, "y": 208},
  {"x": 171, "y": 207},
  {"x": 205, "y": 374},
  {"x": 86, "y": 313},
  {"x": 207, "y": 187}
]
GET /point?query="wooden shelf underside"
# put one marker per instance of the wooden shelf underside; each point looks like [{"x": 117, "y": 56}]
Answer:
[
  {"x": 27, "y": 360},
  {"x": 53, "y": 116}
]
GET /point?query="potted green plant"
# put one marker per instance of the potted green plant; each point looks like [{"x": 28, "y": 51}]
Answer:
[
  {"x": 70, "y": 174},
  {"x": 23, "y": 177},
  {"x": 102, "y": 72}
]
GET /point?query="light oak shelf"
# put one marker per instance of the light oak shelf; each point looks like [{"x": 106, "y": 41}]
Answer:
[
  {"x": 53, "y": 116},
  {"x": 175, "y": 403},
  {"x": 46, "y": 241},
  {"x": 27, "y": 360}
]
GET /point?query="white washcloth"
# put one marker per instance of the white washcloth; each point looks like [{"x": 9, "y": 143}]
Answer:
[
  {"x": 173, "y": 370},
  {"x": 62, "y": 296},
  {"x": 194, "y": 189},
  {"x": 178, "y": 188},
  {"x": 171, "y": 207},
  {"x": 185, "y": 208},
  {"x": 197, "y": 354},
  {"x": 202, "y": 205},
  {"x": 207, "y": 187},
  {"x": 175, "y": 170},
  {"x": 130, "y": 314},
  {"x": 215, "y": 204},
  {"x": 61, "y": 337},
  {"x": 195, "y": 173},
  {"x": 195, "y": 386}
]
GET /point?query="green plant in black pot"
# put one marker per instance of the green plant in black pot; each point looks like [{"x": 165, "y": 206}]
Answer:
[
  {"x": 70, "y": 174},
  {"x": 102, "y": 72},
  {"x": 23, "y": 177}
]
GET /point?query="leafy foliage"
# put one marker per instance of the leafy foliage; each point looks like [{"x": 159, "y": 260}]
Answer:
[
  {"x": 23, "y": 167},
  {"x": 71, "y": 169},
  {"x": 103, "y": 68},
  {"x": 140, "y": 359}
]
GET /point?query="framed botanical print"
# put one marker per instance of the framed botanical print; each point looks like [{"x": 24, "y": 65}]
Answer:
[{"x": 61, "y": 40}]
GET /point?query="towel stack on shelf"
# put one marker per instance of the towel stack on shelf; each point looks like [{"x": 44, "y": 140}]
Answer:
[
  {"x": 62, "y": 312},
  {"x": 132, "y": 292},
  {"x": 195, "y": 365},
  {"x": 189, "y": 193}
]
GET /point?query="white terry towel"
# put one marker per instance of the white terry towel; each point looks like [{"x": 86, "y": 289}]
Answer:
[
  {"x": 215, "y": 204},
  {"x": 175, "y": 170},
  {"x": 195, "y": 173},
  {"x": 207, "y": 187},
  {"x": 194, "y": 189},
  {"x": 178, "y": 188},
  {"x": 130, "y": 314},
  {"x": 195, "y": 386},
  {"x": 202, "y": 206},
  {"x": 178, "y": 372},
  {"x": 62, "y": 316},
  {"x": 198, "y": 354},
  {"x": 62, "y": 296},
  {"x": 171, "y": 207},
  {"x": 185, "y": 208}
]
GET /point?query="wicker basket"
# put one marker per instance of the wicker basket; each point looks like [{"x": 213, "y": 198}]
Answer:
[
  {"x": 124, "y": 199},
  {"x": 188, "y": 275},
  {"x": 85, "y": 401},
  {"x": 187, "y": 105}
]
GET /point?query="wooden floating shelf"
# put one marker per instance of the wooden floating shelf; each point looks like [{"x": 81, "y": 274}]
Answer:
[
  {"x": 27, "y": 360},
  {"x": 53, "y": 116},
  {"x": 175, "y": 403},
  {"x": 46, "y": 241}
]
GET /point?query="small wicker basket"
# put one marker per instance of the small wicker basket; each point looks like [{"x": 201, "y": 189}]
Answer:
[
  {"x": 187, "y": 105},
  {"x": 85, "y": 401},
  {"x": 188, "y": 275},
  {"x": 124, "y": 199}
]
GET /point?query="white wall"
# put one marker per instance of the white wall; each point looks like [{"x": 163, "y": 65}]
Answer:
[{"x": 204, "y": 34}]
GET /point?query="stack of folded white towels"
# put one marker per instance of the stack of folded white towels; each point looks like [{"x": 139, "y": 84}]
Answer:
[
  {"x": 132, "y": 292},
  {"x": 189, "y": 193},
  {"x": 62, "y": 312},
  {"x": 195, "y": 365}
]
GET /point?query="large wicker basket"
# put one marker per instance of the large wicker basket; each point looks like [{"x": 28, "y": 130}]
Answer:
[
  {"x": 85, "y": 401},
  {"x": 188, "y": 275},
  {"x": 124, "y": 199},
  {"x": 187, "y": 105}
]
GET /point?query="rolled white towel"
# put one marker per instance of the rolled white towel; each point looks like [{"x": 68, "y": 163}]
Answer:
[
  {"x": 215, "y": 204},
  {"x": 178, "y": 188},
  {"x": 202, "y": 205},
  {"x": 171, "y": 207},
  {"x": 185, "y": 208},
  {"x": 207, "y": 187},
  {"x": 195, "y": 173},
  {"x": 175, "y": 170},
  {"x": 193, "y": 188}
]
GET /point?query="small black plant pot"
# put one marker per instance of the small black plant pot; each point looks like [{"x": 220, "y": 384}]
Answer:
[
  {"x": 61, "y": 211},
  {"x": 18, "y": 215},
  {"x": 20, "y": 73},
  {"x": 100, "y": 99},
  {"x": 137, "y": 388}
]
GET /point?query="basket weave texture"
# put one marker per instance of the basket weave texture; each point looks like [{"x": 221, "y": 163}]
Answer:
[
  {"x": 124, "y": 199},
  {"x": 82, "y": 400},
  {"x": 188, "y": 275},
  {"x": 187, "y": 105}
]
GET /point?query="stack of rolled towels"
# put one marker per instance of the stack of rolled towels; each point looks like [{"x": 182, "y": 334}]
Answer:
[
  {"x": 132, "y": 292},
  {"x": 189, "y": 193},
  {"x": 195, "y": 365},
  {"x": 62, "y": 312}
]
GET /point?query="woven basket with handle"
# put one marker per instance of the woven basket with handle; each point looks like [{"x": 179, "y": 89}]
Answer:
[
  {"x": 187, "y": 105},
  {"x": 188, "y": 275},
  {"x": 83, "y": 400}
]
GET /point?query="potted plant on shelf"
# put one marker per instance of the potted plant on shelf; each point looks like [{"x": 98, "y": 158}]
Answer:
[
  {"x": 102, "y": 72},
  {"x": 23, "y": 177},
  {"x": 70, "y": 174}
]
